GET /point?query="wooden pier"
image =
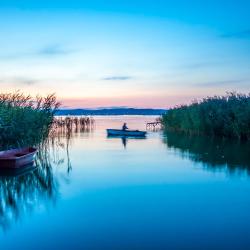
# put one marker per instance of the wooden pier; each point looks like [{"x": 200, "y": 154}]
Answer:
[{"x": 154, "y": 125}]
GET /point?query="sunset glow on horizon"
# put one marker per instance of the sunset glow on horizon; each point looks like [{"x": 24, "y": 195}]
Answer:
[
  {"x": 124, "y": 53},
  {"x": 164, "y": 102}
]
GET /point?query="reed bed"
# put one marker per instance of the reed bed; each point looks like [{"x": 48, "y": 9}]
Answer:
[
  {"x": 68, "y": 125},
  {"x": 25, "y": 121},
  {"x": 224, "y": 116}
]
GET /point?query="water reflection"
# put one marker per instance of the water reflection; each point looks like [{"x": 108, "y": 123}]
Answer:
[
  {"x": 153, "y": 197},
  {"x": 214, "y": 153},
  {"x": 124, "y": 142},
  {"x": 37, "y": 184},
  {"x": 19, "y": 194},
  {"x": 22, "y": 192},
  {"x": 125, "y": 139}
]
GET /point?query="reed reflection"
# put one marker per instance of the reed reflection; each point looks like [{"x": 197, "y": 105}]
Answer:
[
  {"x": 214, "y": 153},
  {"x": 37, "y": 184},
  {"x": 21, "y": 193}
]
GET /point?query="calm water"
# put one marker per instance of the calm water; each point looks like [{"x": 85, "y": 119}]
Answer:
[{"x": 162, "y": 192}]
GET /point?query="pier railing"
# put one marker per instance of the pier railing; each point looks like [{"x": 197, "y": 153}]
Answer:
[{"x": 156, "y": 125}]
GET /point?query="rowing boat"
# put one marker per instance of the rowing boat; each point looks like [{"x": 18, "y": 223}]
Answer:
[
  {"x": 120, "y": 132},
  {"x": 16, "y": 158}
]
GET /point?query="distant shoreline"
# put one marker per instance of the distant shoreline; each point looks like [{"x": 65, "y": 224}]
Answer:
[{"x": 110, "y": 112}]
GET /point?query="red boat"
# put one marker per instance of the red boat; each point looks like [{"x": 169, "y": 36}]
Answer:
[{"x": 16, "y": 158}]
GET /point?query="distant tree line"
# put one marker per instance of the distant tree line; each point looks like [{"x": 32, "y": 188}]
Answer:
[
  {"x": 25, "y": 121},
  {"x": 110, "y": 111},
  {"x": 224, "y": 116}
]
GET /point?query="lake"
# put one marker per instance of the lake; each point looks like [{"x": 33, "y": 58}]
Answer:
[{"x": 167, "y": 191}]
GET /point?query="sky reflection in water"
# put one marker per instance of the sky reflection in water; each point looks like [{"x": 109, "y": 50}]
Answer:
[{"x": 161, "y": 192}]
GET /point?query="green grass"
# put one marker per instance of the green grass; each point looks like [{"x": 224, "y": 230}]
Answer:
[
  {"x": 24, "y": 121},
  {"x": 224, "y": 116}
]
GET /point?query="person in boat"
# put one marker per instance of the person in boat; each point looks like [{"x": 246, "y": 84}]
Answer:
[{"x": 124, "y": 127}]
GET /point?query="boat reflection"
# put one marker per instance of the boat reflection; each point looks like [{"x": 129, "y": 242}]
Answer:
[
  {"x": 17, "y": 171},
  {"x": 213, "y": 153},
  {"x": 125, "y": 139}
]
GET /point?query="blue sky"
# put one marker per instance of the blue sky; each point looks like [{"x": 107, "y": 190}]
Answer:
[{"x": 125, "y": 53}]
